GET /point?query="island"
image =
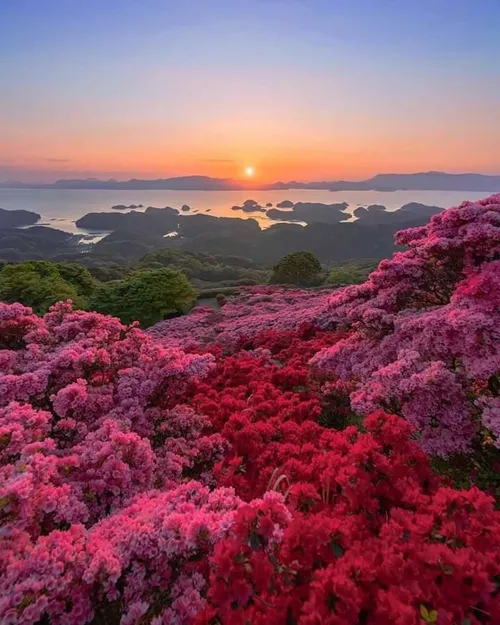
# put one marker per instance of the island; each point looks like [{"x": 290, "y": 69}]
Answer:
[{"x": 17, "y": 218}]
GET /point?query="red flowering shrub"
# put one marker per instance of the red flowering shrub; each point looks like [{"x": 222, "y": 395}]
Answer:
[
  {"x": 262, "y": 400},
  {"x": 371, "y": 539}
]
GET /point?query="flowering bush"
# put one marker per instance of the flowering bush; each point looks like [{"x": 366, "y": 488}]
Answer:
[
  {"x": 365, "y": 536},
  {"x": 424, "y": 340},
  {"x": 147, "y": 561},
  {"x": 255, "y": 310},
  {"x": 86, "y": 425},
  {"x": 260, "y": 400}
]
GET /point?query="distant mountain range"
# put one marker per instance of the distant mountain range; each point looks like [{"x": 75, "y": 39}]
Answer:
[{"x": 432, "y": 181}]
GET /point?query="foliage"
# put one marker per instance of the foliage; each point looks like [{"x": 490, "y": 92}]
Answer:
[
  {"x": 40, "y": 284},
  {"x": 350, "y": 272},
  {"x": 299, "y": 268},
  {"x": 102, "y": 269},
  {"x": 207, "y": 268},
  {"x": 145, "y": 296},
  {"x": 79, "y": 277}
]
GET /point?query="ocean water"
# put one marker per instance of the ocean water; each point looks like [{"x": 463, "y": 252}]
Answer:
[{"x": 61, "y": 208}]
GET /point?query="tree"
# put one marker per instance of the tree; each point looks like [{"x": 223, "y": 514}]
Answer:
[
  {"x": 300, "y": 268},
  {"x": 145, "y": 296},
  {"x": 40, "y": 284}
]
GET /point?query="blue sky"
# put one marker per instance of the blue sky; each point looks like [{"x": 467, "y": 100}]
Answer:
[{"x": 299, "y": 89}]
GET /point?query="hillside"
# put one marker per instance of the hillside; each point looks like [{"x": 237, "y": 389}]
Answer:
[{"x": 296, "y": 457}]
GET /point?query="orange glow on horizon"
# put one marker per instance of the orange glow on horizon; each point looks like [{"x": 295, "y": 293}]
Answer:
[
  {"x": 293, "y": 111},
  {"x": 299, "y": 156}
]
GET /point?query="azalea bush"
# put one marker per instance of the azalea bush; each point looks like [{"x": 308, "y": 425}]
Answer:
[
  {"x": 89, "y": 440},
  {"x": 266, "y": 404},
  {"x": 424, "y": 331},
  {"x": 362, "y": 535},
  {"x": 147, "y": 562},
  {"x": 253, "y": 311}
]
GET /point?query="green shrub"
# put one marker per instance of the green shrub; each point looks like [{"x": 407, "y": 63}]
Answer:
[
  {"x": 40, "y": 284},
  {"x": 145, "y": 296}
]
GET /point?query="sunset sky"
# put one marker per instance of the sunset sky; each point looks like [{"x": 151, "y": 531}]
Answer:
[{"x": 298, "y": 90}]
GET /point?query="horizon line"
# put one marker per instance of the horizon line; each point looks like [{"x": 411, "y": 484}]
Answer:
[{"x": 244, "y": 180}]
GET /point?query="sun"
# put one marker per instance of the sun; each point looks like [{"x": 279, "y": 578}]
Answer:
[{"x": 249, "y": 171}]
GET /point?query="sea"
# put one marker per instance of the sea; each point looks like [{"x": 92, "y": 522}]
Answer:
[{"x": 60, "y": 208}]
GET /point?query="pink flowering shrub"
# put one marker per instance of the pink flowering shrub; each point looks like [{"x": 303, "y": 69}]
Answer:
[
  {"x": 154, "y": 552},
  {"x": 425, "y": 329},
  {"x": 84, "y": 425},
  {"x": 87, "y": 423},
  {"x": 148, "y": 561},
  {"x": 255, "y": 310}
]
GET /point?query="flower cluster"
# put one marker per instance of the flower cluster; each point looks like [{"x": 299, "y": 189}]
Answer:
[
  {"x": 255, "y": 310},
  {"x": 148, "y": 561},
  {"x": 87, "y": 425},
  {"x": 365, "y": 536},
  {"x": 424, "y": 330},
  {"x": 262, "y": 399}
]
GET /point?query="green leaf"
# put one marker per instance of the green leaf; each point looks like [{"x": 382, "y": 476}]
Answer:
[
  {"x": 428, "y": 617},
  {"x": 424, "y": 613}
]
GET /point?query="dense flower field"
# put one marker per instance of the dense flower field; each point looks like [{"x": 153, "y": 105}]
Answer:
[
  {"x": 255, "y": 310},
  {"x": 268, "y": 463}
]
